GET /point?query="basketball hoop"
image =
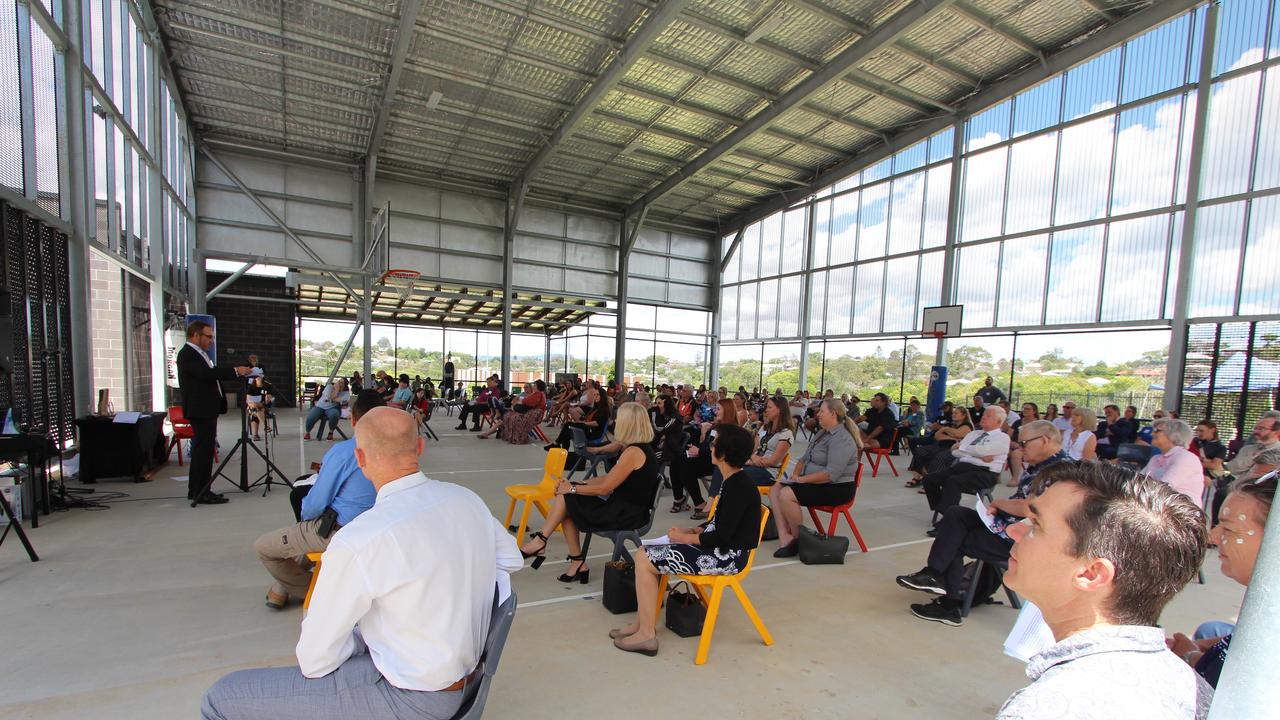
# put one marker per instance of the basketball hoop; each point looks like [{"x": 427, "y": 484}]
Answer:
[{"x": 402, "y": 281}]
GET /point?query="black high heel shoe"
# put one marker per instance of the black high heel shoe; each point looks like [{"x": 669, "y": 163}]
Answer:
[
  {"x": 540, "y": 555},
  {"x": 582, "y": 575}
]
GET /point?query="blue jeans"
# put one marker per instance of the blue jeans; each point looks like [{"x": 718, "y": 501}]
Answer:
[
  {"x": 318, "y": 413},
  {"x": 1213, "y": 629},
  {"x": 355, "y": 690}
]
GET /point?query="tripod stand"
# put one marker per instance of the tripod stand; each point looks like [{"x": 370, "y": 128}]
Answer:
[{"x": 245, "y": 441}]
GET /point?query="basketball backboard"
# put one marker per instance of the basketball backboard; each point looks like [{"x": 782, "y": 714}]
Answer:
[{"x": 942, "y": 321}]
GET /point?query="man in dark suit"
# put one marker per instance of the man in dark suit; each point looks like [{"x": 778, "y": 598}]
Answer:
[{"x": 202, "y": 403}]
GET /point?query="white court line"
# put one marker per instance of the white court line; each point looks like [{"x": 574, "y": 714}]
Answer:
[{"x": 756, "y": 568}]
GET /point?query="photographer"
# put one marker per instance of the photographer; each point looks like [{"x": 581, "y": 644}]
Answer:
[{"x": 340, "y": 493}]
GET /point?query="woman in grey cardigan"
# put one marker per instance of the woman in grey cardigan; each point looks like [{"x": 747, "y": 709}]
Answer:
[{"x": 825, "y": 475}]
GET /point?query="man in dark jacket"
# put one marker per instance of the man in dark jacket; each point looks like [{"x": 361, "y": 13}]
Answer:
[{"x": 202, "y": 403}]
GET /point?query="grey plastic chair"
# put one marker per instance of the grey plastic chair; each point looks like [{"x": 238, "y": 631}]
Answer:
[
  {"x": 619, "y": 536},
  {"x": 589, "y": 460},
  {"x": 499, "y": 626}
]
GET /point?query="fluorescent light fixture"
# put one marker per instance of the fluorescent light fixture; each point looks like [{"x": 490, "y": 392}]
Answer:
[{"x": 771, "y": 23}]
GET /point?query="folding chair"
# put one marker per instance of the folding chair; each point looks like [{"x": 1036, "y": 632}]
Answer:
[
  {"x": 717, "y": 585},
  {"x": 499, "y": 626},
  {"x": 536, "y": 495},
  {"x": 883, "y": 452},
  {"x": 620, "y": 536},
  {"x": 838, "y": 510}
]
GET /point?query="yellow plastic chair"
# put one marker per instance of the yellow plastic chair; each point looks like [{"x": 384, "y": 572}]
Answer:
[
  {"x": 537, "y": 495},
  {"x": 786, "y": 460},
  {"x": 315, "y": 574},
  {"x": 717, "y": 585}
]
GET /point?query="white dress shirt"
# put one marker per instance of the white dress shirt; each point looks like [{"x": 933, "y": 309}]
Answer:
[
  {"x": 980, "y": 443},
  {"x": 413, "y": 577}
]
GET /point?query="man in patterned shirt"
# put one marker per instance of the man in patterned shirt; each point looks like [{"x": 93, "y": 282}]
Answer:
[{"x": 961, "y": 533}]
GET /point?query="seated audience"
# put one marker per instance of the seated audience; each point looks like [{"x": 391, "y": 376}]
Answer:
[
  {"x": 1051, "y": 414},
  {"x": 709, "y": 407},
  {"x": 341, "y": 492},
  {"x": 1100, "y": 553},
  {"x": 1212, "y": 454},
  {"x": 881, "y": 424},
  {"x": 773, "y": 441},
  {"x": 1144, "y": 434},
  {"x": 1238, "y": 539},
  {"x": 1266, "y": 435},
  {"x": 718, "y": 547},
  {"x": 619, "y": 500},
  {"x": 740, "y": 409},
  {"x": 1175, "y": 465},
  {"x": 481, "y": 404},
  {"x": 257, "y": 399},
  {"x": 1114, "y": 431},
  {"x": 357, "y": 382},
  {"x": 912, "y": 426},
  {"x": 696, "y": 462},
  {"x": 1063, "y": 421},
  {"x": 685, "y": 405},
  {"x": 975, "y": 412},
  {"x": 931, "y": 458},
  {"x": 1030, "y": 413},
  {"x": 990, "y": 394},
  {"x": 393, "y": 631},
  {"x": 961, "y": 533},
  {"x": 516, "y": 425},
  {"x": 1079, "y": 440},
  {"x": 327, "y": 407},
  {"x": 825, "y": 475},
  {"x": 980, "y": 457},
  {"x": 401, "y": 398},
  {"x": 595, "y": 424}
]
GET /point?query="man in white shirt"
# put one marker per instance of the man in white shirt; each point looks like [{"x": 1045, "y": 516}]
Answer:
[
  {"x": 980, "y": 457},
  {"x": 401, "y": 609},
  {"x": 1063, "y": 421}
]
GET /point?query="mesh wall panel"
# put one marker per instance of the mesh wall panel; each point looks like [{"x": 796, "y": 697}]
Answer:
[{"x": 1232, "y": 375}]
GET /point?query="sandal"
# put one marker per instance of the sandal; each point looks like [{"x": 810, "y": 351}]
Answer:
[
  {"x": 699, "y": 514},
  {"x": 540, "y": 555},
  {"x": 915, "y": 482},
  {"x": 679, "y": 506}
]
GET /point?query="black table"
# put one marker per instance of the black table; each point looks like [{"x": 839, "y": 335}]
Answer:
[
  {"x": 35, "y": 450},
  {"x": 111, "y": 449}
]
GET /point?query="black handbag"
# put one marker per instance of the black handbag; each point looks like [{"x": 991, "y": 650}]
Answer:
[
  {"x": 620, "y": 586},
  {"x": 770, "y": 529},
  {"x": 819, "y": 549},
  {"x": 685, "y": 611}
]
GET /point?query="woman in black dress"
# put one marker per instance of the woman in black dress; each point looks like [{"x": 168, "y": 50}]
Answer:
[
  {"x": 721, "y": 546},
  {"x": 620, "y": 500}
]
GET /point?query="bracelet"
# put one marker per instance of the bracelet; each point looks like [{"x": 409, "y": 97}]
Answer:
[{"x": 1186, "y": 656}]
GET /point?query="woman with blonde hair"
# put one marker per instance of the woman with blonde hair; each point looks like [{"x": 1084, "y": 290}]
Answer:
[
  {"x": 824, "y": 475},
  {"x": 619, "y": 500},
  {"x": 1080, "y": 442}
]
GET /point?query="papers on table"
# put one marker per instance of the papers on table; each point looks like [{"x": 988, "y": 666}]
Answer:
[
  {"x": 1030, "y": 635},
  {"x": 664, "y": 540},
  {"x": 127, "y": 418},
  {"x": 987, "y": 518}
]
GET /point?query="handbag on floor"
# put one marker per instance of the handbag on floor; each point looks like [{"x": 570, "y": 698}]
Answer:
[
  {"x": 620, "y": 586},
  {"x": 770, "y": 529},
  {"x": 819, "y": 549},
  {"x": 685, "y": 611}
]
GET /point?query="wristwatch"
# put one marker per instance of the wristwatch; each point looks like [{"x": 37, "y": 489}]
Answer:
[{"x": 573, "y": 489}]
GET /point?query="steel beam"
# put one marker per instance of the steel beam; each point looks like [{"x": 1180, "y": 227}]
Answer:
[
  {"x": 1128, "y": 27},
  {"x": 239, "y": 273},
  {"x": 515, "y": 205},
  {"x": 1177, "y": 365},
  {"x": 886, "y": 33},
  {"x": 628, "y": 233},
  {"x": 978, "y": 18},
  {"x": 404, "y": 36},
  {"x": 636, "y": 46},
  {"x": 274, "y": 217}
]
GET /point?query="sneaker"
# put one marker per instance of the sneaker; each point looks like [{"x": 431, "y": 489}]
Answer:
[
  {"x": 940, "y": 611},
  {"x": 306, "y": 436},
  {"x": 924, "y": 581},
  {"x": 463, "y": 426}
]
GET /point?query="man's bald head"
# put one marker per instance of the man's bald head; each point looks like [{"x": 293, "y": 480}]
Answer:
[{"x": 387, "y": 445}]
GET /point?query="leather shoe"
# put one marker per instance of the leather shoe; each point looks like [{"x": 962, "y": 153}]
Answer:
[
  {"x": 791, "y": 549},
  {"x": 211, "y": 499}
]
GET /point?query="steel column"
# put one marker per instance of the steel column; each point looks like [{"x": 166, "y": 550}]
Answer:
[
  {"x": 78, "y": 199},
  {"x": 515, "y": 204},
  {"x": 953, "y": 230},
  {"x": 806, "y": 293},
  {"x": 1177, "y": 366},
  {"x": 628, "y": 232}
]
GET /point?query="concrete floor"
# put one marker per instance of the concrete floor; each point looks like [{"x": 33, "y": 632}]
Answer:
[{"x": 133, "y": 611}]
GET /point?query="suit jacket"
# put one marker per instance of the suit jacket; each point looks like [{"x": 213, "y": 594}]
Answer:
[{"x": 199, "y": 383}]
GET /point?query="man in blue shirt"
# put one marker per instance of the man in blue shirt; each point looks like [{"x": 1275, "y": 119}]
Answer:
[{"x": 342, "y": 487}]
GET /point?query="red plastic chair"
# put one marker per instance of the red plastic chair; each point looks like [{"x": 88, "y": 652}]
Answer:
[
  {"x": 883, "y": 452},
  {"x": 182, "y": 430},
  {"x": 837, "y": 510}
]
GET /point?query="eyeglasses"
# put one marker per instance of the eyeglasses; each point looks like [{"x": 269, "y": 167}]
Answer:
[
  {"x": 1023, "y": 443},
  {"x": 208, "y": 335}
]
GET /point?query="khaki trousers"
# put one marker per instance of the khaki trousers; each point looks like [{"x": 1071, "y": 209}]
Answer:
[{"x": 283, "y": 553}]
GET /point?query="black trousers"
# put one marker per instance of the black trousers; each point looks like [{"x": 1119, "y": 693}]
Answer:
[
  {"x": 206, "y": 436},
  {"x": 685, "y": 472},
  {"x": 944, "y": 487},
  {"x": 961, "y": 534},
  {"x": 296, "y": 495},
  {"x": 475, "y": 410}
]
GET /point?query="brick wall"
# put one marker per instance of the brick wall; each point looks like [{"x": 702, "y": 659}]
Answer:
[
  {"x": 262, "y": 328},
  {"x": 106, "y": 309}
]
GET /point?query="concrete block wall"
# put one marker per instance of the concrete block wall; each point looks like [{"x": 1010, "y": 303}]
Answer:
[
  {"x": 262, "y": 328},
  {"x": 106, "y": 308}
]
